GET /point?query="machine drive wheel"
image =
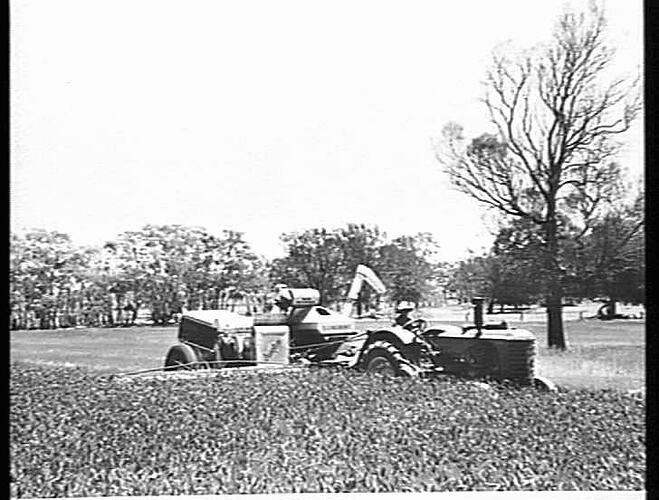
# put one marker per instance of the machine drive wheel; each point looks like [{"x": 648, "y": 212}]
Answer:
[
  {"x": 181, "y": 357},
  {"x": 481, "y": 361},
  {"x": 383, "y": 358}
]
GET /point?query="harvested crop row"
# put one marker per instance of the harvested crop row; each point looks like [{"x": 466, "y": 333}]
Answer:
[{"x": 78, "y": 434}]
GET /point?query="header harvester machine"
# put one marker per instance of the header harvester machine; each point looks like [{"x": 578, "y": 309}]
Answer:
[{"x": 310, "y": 334}]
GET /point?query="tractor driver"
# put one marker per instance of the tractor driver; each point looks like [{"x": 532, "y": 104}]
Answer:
[
  {"x": 403, "y": 310},
  {"x": 283, "y": 298}
]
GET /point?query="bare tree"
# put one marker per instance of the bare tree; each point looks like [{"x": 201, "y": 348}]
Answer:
[{"x": 557, "y": 115}]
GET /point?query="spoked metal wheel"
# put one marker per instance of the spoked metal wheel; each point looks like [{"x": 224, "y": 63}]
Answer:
[
  {"x": 181, "y": 357},
  {"x": 381, "y": 365}
]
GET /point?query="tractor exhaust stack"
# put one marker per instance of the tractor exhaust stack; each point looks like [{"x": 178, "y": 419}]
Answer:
[{"x": 478, "y": 314}]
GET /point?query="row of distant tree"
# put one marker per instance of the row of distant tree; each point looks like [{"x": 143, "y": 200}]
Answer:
[
  {"x": 167, "y": 269},
  {"x": 607, "y": 263},
  {"x": 54, "y": 283},
  {"x": 171, "y": 268}
]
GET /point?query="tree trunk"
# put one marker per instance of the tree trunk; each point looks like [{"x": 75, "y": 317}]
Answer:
[
  {"x": 555, "y": 332},
  {"x": 134, "y": 312},
  {"x": 108, "y": 312}
]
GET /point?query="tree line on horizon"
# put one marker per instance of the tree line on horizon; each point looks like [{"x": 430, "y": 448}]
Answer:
[
  {"x": 168, "y": 269},
  {"x": 171, "y": 268},
  {"x": 607, "y": 264}
]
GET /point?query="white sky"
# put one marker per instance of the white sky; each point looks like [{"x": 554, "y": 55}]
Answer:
[{"x": 259, "y": 116}]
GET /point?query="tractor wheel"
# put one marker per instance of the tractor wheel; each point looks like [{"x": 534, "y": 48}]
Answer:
[
  {"x": 181, "y": 357},
  {"x": 383, "y": 358},
  {"x": 481, "y": 361}
]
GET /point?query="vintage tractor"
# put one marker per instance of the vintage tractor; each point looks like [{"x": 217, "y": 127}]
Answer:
[{"x": 309, "y": 333}]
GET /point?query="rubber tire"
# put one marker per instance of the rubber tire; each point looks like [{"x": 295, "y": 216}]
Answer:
[
  {"x": 481, "y": 367},
  {"x": 181, "y": 357},
  {"x": 544, "y": 384},
  {"x": 383, "y": 358}
]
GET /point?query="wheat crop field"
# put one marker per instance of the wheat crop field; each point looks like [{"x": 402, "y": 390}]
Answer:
[{"x": 76, "y": 430}]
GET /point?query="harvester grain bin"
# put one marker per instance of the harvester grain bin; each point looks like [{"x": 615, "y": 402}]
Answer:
[{"x": 220, "y": 338}]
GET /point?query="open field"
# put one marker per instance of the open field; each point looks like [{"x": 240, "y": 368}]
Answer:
[
  {"x": 106, "y": 350},
  {"x": 602, "y": 353}
]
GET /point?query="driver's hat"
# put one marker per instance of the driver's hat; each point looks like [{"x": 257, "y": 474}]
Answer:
[{"x": 404, "y": 306}]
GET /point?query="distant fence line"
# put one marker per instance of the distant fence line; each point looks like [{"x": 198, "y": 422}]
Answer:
[{"x": 540, "y": 315}]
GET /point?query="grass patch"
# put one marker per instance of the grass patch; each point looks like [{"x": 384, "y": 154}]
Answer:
[{"x": 620, "y": 367}]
